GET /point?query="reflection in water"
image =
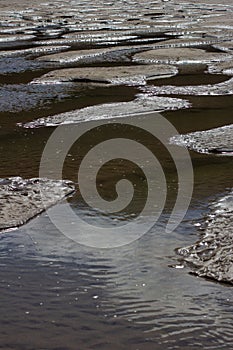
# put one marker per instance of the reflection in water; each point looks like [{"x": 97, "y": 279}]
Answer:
[
  {"x": 56, "y": 294},
  {"x": 91, "y": 299}
]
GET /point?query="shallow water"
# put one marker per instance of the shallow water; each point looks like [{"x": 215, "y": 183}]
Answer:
[{"x": 57, "y": 294}]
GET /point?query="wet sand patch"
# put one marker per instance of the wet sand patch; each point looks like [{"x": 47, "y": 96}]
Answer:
[
  {"x": 117, "y": 75},
  {"x": 34, "y": 51},
  {"x": 22, "y": 97},
  {"x": 86, "y": 56},
  {"x": 216, "y": 141},
  {"x": 226, "y": 46},
  {"x": 21, "y": 199},
  {"x": 179, "y": 56},
  {"x": 211, "y": 256},
  {"x": 142, "y": 104},
  {"x": 221, "y": 68}
]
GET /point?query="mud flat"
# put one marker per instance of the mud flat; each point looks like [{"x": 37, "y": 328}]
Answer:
[
  {"x": 22, "y": 199},
  {"x": 216, "y": 141},
  {"x": 101, "y": 36},
  {"x": 110, "y": 55},
  {"x": 142, "y": 104},
  {"x": 179, "y": 56},
  {"x": 221, "y": 68},
  {"x": 224, "y": 46},
  {"x": 8, "y": 38},
  {"x": 118, "y": 75},
  {"x": 161, "y": 30},
  {"x": 34, "y": 51},
  {"x": 177, "y": 52},
  {"x": 212, "y": 255}
]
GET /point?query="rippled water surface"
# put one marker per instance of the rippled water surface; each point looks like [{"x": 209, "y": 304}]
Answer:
[
  {"x": 56, "y": 294},
  {"x": 59, "y": 295}
]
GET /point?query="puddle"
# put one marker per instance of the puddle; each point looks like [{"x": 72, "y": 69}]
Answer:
[
  {"x": 192, "y": 78},
  {"x": 223, "y": 88}
]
